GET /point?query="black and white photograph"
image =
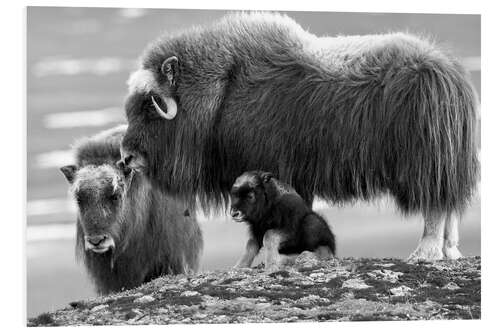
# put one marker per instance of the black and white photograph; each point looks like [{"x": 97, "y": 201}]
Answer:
[{"x": 240, "y": 166}]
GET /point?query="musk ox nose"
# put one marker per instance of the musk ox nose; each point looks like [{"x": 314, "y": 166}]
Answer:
[
  {"x": 96, "y": 240},
  {"x": 123, "y": 167},
  {"x": 236, "y": 215},
  {"x": 121, "y": 164},
  {"x": 125, "y": 161}
]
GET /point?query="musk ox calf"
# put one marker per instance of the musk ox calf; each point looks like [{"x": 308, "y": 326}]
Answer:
[
  {"x": 127, "y": 232},
  {"x": 280, "y": 221},
  {"x": 342, "y": 118}
]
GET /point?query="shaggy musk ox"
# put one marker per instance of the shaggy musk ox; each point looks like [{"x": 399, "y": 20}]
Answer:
[
  {"x": 280, "y": 221},
  {"x": 341, "y": 118},
  {"x": 127, "y": 232}
]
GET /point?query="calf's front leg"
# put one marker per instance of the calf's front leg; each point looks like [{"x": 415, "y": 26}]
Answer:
[
  {"x": 271, "y": 244},
  {"x": 251, "y": 251}
]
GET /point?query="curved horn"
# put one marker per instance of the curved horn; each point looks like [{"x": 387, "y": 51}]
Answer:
[{"x": 171, "y": 108}]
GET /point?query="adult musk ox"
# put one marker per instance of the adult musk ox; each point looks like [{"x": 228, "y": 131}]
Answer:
[
  {"x": 339, "y": 118},
  {"x": 127, "y": 232}
]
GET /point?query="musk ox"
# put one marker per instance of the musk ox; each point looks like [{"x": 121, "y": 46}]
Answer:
[
  {"x": 280, "y": 221},
  {"x": 127, "y": 232},
  {"x": 340, "y": 118}
]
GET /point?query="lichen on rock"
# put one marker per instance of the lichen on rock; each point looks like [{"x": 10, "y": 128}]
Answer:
[{"x": 310, "y": 290}]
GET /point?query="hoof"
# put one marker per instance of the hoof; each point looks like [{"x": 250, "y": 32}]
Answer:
[
  {"x": 427, "y": 251},
  {"x": 272, "y": 268},
  {"x": 241, "y": 268},
  {"x": 287, "y": 260},
  {"x": 324, "y": 253},
  {"x": 241, "y": 265},
  {"x": 452, "y": 253}
]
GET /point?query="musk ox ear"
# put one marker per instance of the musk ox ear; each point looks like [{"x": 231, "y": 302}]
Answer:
[
  {"x": 170, "y": 68},
  {"x": 266, "y": 177},
  {"x": 69, "y": 172}
]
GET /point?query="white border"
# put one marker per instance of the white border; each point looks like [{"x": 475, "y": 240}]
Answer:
[{"x": 13, "y": 164}]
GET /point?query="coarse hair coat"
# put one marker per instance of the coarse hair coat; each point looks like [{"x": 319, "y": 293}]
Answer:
[
  {"x": 265, "y": 203},
  {"x": 155, "y": 236},
  {"x": 341, "y": 118}
]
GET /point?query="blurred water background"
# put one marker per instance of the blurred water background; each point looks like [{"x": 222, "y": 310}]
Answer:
[{"x": 77, "y": 63}]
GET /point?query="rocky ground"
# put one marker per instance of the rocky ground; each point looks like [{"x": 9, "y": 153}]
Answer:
[{"x": 310, "y": 290}]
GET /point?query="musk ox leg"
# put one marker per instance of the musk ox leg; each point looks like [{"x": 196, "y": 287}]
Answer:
[
  {"x": 251, "y": 250},
  {"x": 431, "y": 245},
  {"x": 271, "y": 243},
  {"x": 288, "y": 259},
  {"x": 324, "y": 253},
  {"x": 450, "y": 248}
]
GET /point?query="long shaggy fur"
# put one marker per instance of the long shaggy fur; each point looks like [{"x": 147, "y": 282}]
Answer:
[
  {"x": 341, "y": 118},
  {"x": 271, "y": 208},
  {"x": 154, "y": 235}
]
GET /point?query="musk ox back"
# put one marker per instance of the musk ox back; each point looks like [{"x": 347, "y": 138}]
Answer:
[
  {"x": 340, "y": 118},
  {"x": 127, "y": 232}
]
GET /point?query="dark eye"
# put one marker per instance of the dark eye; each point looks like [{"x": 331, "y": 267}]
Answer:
[
  {"x": 79, "y": 198},
  {"x": 114, "y": 197},
  {"x": 251, "y": 196}
]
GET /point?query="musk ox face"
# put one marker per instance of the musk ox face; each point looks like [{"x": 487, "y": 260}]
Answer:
[
  {"x": 99, "y": 192},
  {"x": 150, "y": 107},
  {"x": 248, "y": 196}
]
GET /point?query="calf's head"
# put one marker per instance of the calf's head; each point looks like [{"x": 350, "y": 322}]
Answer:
[
  {"x": 98, "y": 192},
  {"x": 250, "y": 197}
]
